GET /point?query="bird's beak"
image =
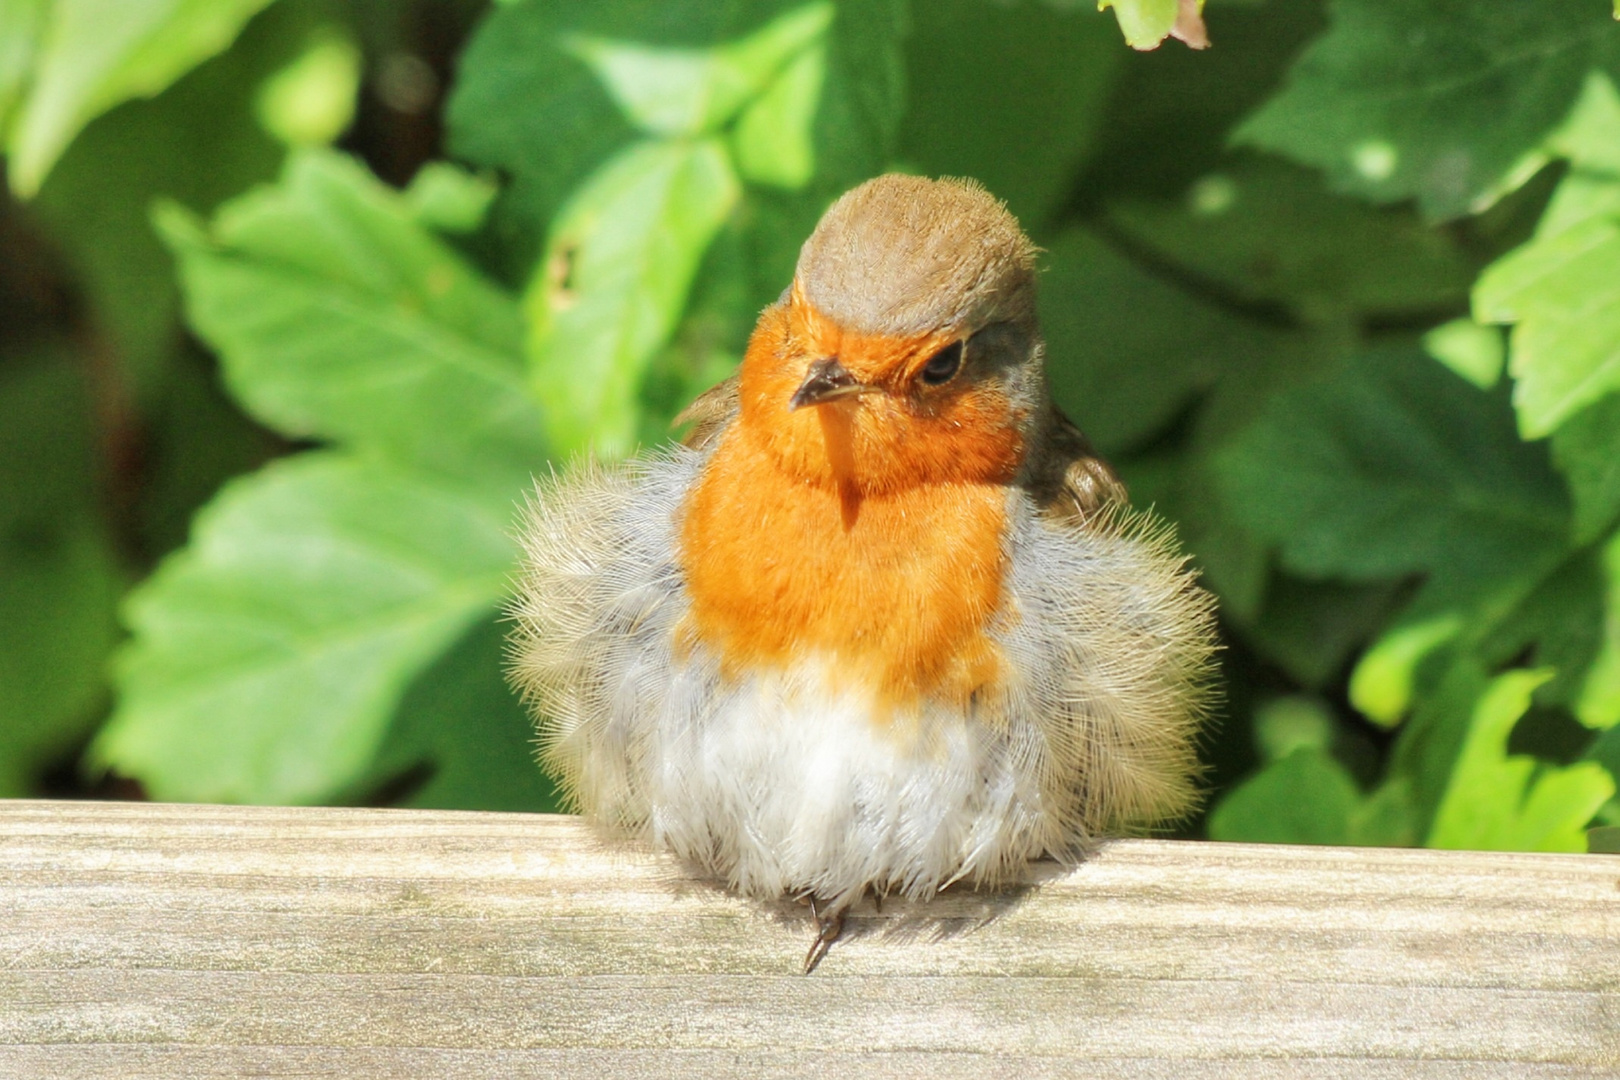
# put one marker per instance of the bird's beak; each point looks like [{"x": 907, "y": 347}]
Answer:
[{"x": 826, "y": 381}]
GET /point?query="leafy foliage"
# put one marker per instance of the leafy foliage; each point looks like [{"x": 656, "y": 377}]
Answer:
[{"x": 1391, "y": 446}]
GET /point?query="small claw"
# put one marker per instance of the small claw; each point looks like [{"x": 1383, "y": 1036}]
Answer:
[{"x": 828, "y": 928}]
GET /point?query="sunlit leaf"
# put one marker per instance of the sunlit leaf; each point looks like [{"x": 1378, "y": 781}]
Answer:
[
  {"x": 614, "y": 282},
  {"x": 21, "y": 24},
  {"x": 449, "y": 199},
  {"x": 1146, "y": 23},
  {"x": 269, "y": 655},
  {"x": 1599, "y": 703},
  {"x": 1495, "y": 801},
  {"x": 686, "y": 91},
  {"x": 522, "y": 104},
  {"x": 1475, "y": 352},
  {"x": 92, "y": 55},
  {"x": 312, "y": 100},
  {"x": 1381, "y": 686},
  {"x": 1562, "y": 293},
  {"x": 337, "y": 316},
  {"x": 774, "y": 142}
]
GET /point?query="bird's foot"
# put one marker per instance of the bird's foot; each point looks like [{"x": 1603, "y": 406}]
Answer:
[{"x": 829, "y": 925}]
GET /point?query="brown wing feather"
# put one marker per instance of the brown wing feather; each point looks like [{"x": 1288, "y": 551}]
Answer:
[
  {"x": 709, "y": 414},
  {"x": 1069, "y": 479}
]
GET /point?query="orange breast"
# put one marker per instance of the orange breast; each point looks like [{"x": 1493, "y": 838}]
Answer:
[{"x": 897, "y": 589}]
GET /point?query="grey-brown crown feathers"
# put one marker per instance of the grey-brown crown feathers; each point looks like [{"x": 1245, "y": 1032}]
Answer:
[{"x": 905, "y": 255}]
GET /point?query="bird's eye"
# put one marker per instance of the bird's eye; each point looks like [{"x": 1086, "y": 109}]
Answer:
[{"x": 943, "y": 366}]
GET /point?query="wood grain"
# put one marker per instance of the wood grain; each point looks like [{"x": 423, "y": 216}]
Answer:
[{"x": 141, "y": 940}]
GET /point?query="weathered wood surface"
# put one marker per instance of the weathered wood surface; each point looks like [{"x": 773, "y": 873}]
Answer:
[{"x": 181, "y": 941}]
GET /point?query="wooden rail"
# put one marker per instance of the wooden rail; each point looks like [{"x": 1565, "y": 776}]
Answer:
[{"x": 201, "y": 941}]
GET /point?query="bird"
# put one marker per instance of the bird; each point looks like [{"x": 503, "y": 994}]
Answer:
[{"x": 883, "y": 621}]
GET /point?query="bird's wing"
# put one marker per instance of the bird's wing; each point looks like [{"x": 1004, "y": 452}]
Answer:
[
  {"x": 710, "y": 414},
  {"x": 1070, "y": 480}
]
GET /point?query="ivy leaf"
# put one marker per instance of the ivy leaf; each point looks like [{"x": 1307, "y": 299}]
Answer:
[
  {"x": 86, "y": 63},
  {"x": 270, "y": 653},
  {"x": 338, "y": 317},
  {"x": 1437, "y": 101},
  {"x": 1507, "y": 803},
  {"x": 614, "y": 281}
]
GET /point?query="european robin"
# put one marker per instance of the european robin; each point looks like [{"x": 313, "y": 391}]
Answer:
[{"x": 883, "y": 622}]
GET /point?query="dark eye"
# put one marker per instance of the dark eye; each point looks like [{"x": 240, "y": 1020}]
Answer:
[{"x": 942, "y": 367}]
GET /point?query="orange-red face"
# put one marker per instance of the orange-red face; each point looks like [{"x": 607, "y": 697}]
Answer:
[{"x": 895, "y": 412}]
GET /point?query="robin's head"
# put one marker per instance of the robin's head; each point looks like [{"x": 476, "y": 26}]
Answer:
[{"x": 906, "y": 350}]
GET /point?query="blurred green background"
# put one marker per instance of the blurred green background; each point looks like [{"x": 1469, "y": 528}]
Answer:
[{"x": 296, "y": 295}]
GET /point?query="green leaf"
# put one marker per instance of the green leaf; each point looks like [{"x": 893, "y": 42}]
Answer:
[
  {"x": 1127, "y": 351},
  {"x": 271, "y": 652},
  {"x": 1263, "y": 232},
  {"x": 1474, "y": 352},
  {"x": 1438, "y": 101},
  {"x": 1286, "y": 724},
  {"x": 1499, "y": 802},
  {"x": 462, "y": 736},
  {"x": 1384, "y": 679},
  {"x": 1598, "y": 705},
  {"x": 59, "y": 577},
  {"x": 1311, "y": 628},
  {"x": 1392, "y": 467},
  {"x": 773, "y": 143},
  {"x": 1146, "y": 23},
  {"x": 88, "y": 62},
  {"x": 1557, "y": 625},
  {"x": 196, "y": 143},
  {"x": 1562, "y": 292},
  {"x": 1307, "y": 797},
  {"x": 1586, "y": 449},
  {"x": 688, "y": 92},
  {"x": 338, "y": 317},
  {"x": 449, "y": 199},
  {"x": 982, "y": 77},
  {"x": 614, "y": 281},
  {"x": 525, "y": 106},
  {"x": 22, "y": 22},
  {"x": 271, "y": 655},
  {"x": 311, "y": 101}
]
